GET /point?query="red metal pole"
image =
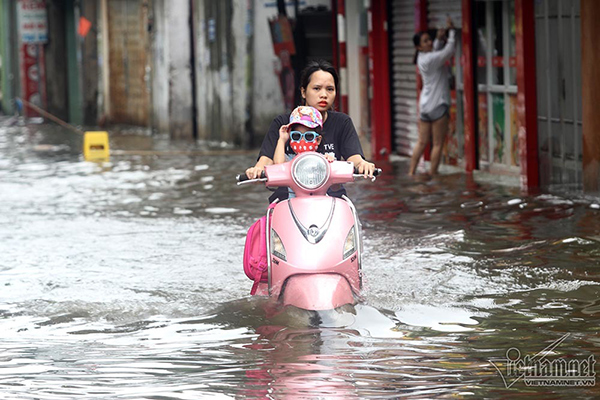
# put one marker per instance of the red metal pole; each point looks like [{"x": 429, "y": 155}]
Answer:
[
  {"x": 526, "y": 92},
  {"x": 334, "y": 46},
  {"x": 343, "y": 67},
  {"x": 470, "y": 133},
  {"x": 420, "y": 15},
  {"x": 379, "y": 75}
]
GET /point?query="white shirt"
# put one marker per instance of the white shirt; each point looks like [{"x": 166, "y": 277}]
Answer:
[{"x": 436, "y": 89}]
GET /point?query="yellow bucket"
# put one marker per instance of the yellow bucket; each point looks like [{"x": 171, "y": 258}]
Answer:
[{"x": 95, "y": 146}]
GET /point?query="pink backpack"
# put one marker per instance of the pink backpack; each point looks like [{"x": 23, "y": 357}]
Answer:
[{"x": 255, "y": 253}]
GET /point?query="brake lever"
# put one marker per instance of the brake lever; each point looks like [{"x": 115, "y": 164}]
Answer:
[
  {"x": 373, "y": 179},
  {"x": 376, "y": 173}
]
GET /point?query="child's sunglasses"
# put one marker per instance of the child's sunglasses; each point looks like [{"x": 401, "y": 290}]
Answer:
[{"x": 309, "y": 136}]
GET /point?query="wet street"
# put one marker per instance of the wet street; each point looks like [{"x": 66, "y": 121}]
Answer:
[{"x": 124, "y": 281}]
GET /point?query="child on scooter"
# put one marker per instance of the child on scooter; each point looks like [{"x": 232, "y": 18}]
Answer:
[{"x": 303, "y": 133}]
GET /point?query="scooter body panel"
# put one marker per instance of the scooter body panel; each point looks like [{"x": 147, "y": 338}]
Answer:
[
  {"x": 317, "y": 291},
  {"x": 317, "y": 255}
]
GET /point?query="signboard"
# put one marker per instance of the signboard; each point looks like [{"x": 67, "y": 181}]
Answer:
[
  {"x": 33, "y": 21},
  {"x": 33, "y": 79}
]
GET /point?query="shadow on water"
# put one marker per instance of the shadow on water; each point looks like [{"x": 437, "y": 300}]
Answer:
[{"x": 123, "y": 280}]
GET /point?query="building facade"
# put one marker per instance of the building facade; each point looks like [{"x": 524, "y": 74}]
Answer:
[
  {"x": 516, "y": 79},
  {"x": 221, "y": 70}
]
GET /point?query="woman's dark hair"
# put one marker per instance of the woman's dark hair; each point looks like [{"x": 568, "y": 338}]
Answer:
[
  {"x": 417, "y": 43},
  {"x": 417, "y": 38},
  {"x": 317, "y": 65}
]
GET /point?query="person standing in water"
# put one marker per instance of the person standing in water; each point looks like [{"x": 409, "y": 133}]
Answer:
[{"x": 434, "y": 103}]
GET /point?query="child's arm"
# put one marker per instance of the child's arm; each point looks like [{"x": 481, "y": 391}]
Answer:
[{"x": 284, "y": 135}]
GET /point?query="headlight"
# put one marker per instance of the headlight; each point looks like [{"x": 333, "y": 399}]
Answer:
[
  {"x": 310, "y": 172},
  {"x": 349, "y": 244},
  {"x": 277, "y": 246}
]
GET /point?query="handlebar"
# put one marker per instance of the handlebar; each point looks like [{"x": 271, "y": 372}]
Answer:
[
  {"x": 243, "y": 178},
  {"x": 376, "y": 172}
]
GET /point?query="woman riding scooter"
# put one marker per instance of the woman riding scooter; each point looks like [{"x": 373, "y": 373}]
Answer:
[{"x": 318, "y": 87}]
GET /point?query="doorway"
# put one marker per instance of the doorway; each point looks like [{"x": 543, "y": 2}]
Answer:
[
  {"x": 128, "y": 43},
  {"x": 496, "y": 76}
]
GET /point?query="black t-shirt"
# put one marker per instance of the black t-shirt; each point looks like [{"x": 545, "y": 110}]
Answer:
[{"x": 339, "y": 138}]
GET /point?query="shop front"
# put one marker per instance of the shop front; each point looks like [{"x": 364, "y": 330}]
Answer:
[{"x": 515, "y": 86}]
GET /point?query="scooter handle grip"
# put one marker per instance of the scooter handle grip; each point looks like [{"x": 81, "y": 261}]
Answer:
[
  {"x": 243, "y": 177},
  {"x": 377, "y": 171}
]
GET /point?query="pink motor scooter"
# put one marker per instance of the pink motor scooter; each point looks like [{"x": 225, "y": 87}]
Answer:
[{"x": 313, "y": 242}]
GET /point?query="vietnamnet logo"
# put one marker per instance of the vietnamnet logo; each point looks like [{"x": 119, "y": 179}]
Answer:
[{"x": 539, "y": 370}]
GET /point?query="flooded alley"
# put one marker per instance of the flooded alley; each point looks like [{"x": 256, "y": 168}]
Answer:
[{"x": 124, "y": 280}]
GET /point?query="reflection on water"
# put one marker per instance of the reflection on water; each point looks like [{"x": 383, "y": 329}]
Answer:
[{"x": 124, "y": 280}]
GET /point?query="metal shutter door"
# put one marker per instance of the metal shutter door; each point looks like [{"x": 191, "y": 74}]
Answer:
[{"x": 404, "y": 87}]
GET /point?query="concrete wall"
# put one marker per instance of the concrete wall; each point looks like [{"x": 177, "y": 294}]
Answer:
[
  {"x": 224, "y": 70},
  {"x": 237, "y": 92},
  {"x": 180, "y": 69},
  {"x": 242, "y": 70},
  {"x": 237, "y": 89},
  {"x": 213, "y": 66},
  {"x": 171, "y": 65},
  {"x": 160, "y": 67}
]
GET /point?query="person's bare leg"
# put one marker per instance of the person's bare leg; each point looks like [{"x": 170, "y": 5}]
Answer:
[
  {"x": 440, "y": 129},
  {"x": 422, "y": 142}
]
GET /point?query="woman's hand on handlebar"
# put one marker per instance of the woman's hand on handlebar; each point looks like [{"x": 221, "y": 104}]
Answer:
[
  {"x": 365, "y": 168},
  {"x": 254, "y": 172},
  {"x": 257, "y": 170}
]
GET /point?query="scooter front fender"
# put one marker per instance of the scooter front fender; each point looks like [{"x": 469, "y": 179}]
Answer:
[{"x": 317, "y": 291}]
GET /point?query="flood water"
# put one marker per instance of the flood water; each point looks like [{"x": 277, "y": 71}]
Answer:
[{"x": 124, "y": 281}]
